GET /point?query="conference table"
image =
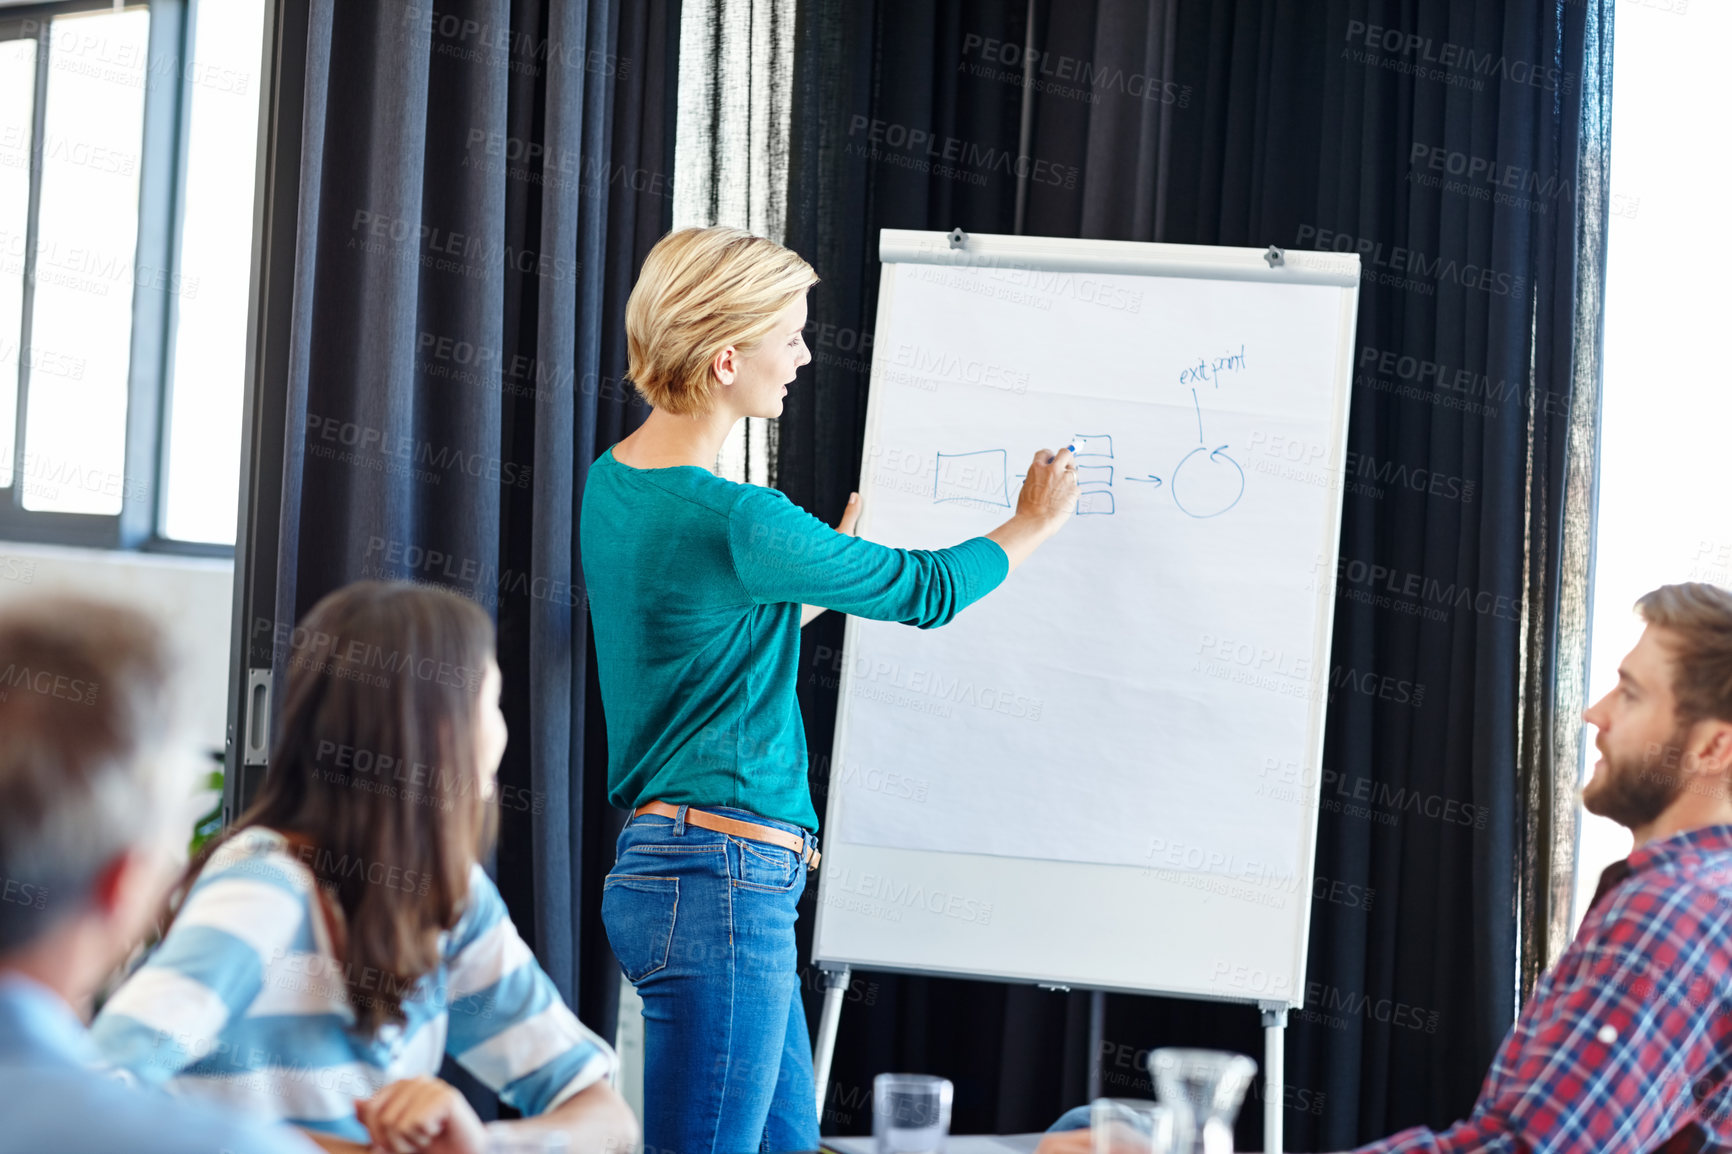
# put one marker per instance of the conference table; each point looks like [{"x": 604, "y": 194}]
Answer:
[{"x": 955, "y": 1144}]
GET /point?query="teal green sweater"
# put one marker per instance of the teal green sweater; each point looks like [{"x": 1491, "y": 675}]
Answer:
[{"x": 695, "y": 585}]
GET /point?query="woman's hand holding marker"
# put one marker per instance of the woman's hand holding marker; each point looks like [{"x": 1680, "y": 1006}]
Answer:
[
  {"x": 1045, "y": 504},
  {"x": 1049, "y": 491}
]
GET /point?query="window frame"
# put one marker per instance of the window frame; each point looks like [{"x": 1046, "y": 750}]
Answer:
[{"x": 155, "y": 314}]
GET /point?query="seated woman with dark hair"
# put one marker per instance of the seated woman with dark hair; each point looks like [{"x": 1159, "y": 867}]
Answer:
[{"x": 342, "y": 937}]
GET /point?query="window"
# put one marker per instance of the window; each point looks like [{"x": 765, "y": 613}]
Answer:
[
  {"x": 207, "y": 378},
  {"x": 126, "y": 205},
  {"x": 735, "y": 96},
  {"x": 1663, "y": 515}
]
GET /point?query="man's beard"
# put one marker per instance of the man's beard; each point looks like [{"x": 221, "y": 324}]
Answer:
[{"x": 1636, "y": 789}]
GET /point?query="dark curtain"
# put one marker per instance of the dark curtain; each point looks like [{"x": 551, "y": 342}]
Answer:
[
  {"x": 1459, "y": 148},
  {"x": 479, "y": 183}
]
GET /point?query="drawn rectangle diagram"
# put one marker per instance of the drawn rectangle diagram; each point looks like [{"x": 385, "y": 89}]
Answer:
[
  {"x": 1094, "y": 474},
  {"x": 978, "y": 476}
]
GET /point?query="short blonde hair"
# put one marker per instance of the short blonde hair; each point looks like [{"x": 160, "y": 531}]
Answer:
[{"x": 701, "y": 290}]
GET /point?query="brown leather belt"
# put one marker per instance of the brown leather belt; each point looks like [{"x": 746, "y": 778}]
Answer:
[{"x": 727, "y": 825}]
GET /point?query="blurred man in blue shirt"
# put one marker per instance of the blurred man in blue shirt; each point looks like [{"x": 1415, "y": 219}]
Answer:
[{"x": 94, "y": 780}]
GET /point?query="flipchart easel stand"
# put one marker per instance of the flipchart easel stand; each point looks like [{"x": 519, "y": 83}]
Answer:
[{"x": 837, "y": 976}]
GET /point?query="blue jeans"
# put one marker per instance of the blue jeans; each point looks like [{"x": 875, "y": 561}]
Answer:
[{"x": 703, "y": 925}]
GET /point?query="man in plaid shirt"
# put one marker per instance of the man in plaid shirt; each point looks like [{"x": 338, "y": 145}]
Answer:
[
  {"x": 1625, "y": 1046},
  {"x": 1626, "y": 1043}
]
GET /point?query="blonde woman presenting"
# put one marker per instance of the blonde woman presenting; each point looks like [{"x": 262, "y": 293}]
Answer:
[{"x": 698, "y": 587}]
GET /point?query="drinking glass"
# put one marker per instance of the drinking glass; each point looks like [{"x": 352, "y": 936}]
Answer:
[
  {"x": 1130, "y": 1126},
  {"x": 1204, "y": 1089},
  {"x": 910, "y": 1113}
]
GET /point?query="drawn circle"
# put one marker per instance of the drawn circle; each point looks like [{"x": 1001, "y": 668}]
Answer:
[{"x": 1207, "y": 484}]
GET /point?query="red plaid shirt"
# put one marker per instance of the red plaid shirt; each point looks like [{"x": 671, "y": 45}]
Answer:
[{"x": 1626, "y": 1044}]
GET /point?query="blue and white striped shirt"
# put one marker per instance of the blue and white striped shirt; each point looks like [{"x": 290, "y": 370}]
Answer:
[{"x": 245, "y": 1003}]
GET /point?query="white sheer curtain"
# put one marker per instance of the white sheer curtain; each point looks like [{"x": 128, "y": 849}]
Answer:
[{"x": 731, "y": 151}]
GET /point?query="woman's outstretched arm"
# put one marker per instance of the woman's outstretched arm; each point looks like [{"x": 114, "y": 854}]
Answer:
[
  {"x": 850, "y": 517},
  {"x": 1043, "y": 507},
  {"x": 782, "y": 553}
]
